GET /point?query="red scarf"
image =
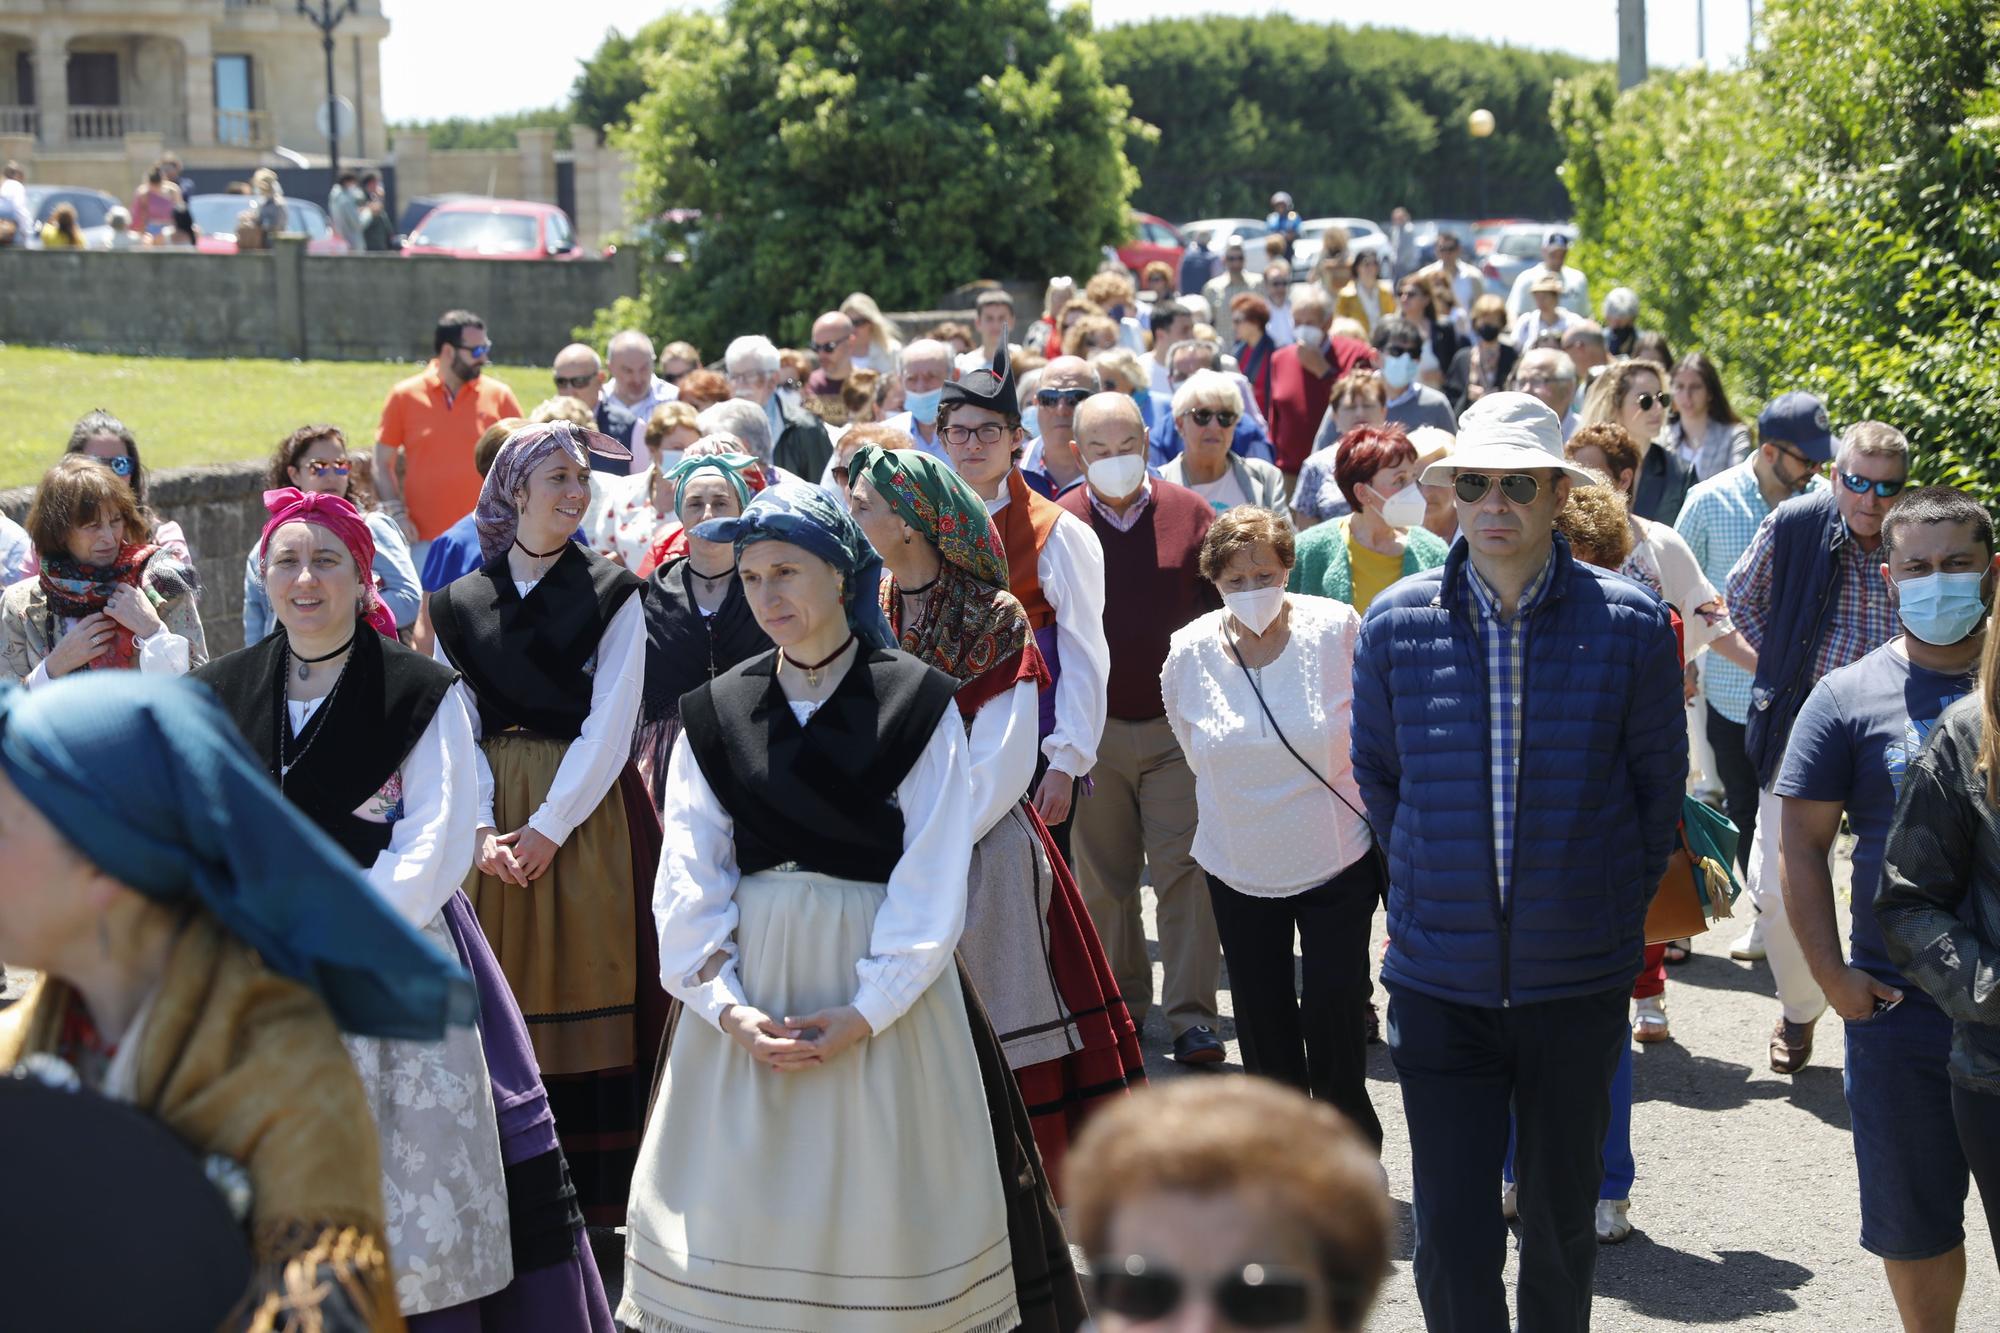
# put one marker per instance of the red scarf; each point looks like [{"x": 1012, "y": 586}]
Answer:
[{"x": 76, "y": 590}]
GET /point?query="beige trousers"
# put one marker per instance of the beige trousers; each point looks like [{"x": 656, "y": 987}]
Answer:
[{"x": 1140, "y": 814}]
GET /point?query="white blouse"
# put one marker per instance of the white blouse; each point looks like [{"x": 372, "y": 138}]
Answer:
[
  {"x": 1663, "y": 562},
  {"x": 1070, "y": 568},
  {"x": 595, "y": 758},
  {"x": 1265, "y": 826},
  {"x": 916, "y": 928},
  {"x": 1002, "y": 753},
  {"x": 163, "y": 653},
  {"x": 431, "y": 811}
]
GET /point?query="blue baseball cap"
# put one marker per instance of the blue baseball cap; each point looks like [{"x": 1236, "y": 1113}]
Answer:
[{"x": 1800, "y": 420}]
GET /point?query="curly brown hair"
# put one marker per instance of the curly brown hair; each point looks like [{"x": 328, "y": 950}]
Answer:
[
  {"x": 1595, "y": 520},
  {"x": 1245, "y": 528}
]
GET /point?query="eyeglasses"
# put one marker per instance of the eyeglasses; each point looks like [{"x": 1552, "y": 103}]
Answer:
[
  {"x": 1812, "y": 465},
  {"x": 828, "y": 348},
  {"x": 1257, "y": 1296},
  {"x": 1403, "y": 349},
  {"x": 321, "y": 467},
  {"x": 746, "y": 379},
  {"x": 676, "y": 376},
  {"x": 479, "y": 353},
  {"x": 987, "y": 433},
  {"x": 1060, "y": 397},
  {"x": 1518, "y": 487},
  {"x": 1861, "y": 485},
  {"x": 1203, "y": 416},
  {"x": 122, "y": 464},
  {"x": 574, "y": 381},
  {"x": 1646, "y": 400}
]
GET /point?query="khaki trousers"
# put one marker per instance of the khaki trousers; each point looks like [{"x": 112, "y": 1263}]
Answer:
[{"x": 1140, "y": 814}]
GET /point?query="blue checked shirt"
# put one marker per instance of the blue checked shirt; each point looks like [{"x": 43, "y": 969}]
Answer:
[
  {"x": 1718, "y": 522},
  {"x": 1506, "y": 643}
]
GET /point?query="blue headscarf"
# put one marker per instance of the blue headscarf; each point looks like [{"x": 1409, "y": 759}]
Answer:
[
  {"x": 148, "y": 779},
  {"x": 804, "y": 515}
]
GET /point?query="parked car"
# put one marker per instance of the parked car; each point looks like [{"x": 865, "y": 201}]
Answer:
[
  {"x": 215, "y": 223},
  {"x": 1153, "y": 238},
  {"x": 1486, "y": 232},
  {"x": 1516, "y": 249},
  {"x": 494, "y": 229},
  {"x": 1221, "y": 231},
  {"x": 1427, "y": 235},
  {"x": 417, "y": 209},
  {"x": 1361, "y": 235},
  {"x": 90, "y": 206}
]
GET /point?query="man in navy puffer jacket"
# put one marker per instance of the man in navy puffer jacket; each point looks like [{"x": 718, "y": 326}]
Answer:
[{"x": 1520, "y": 742}]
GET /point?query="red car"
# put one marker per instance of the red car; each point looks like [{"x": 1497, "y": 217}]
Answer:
[
  {"x": 494, "y": 229},
  {"x": 1153, "y": 238}
]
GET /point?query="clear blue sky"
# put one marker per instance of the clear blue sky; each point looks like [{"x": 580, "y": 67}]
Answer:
[{"x": 446, "y": 57}]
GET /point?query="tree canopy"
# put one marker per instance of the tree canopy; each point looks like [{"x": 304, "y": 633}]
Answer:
[{"x": 1824, "y": 219}]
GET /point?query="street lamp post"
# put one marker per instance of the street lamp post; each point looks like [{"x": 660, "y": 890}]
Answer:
[
  {"x": 1480, "y": 126},
  {"x": 326, "y": 17}
]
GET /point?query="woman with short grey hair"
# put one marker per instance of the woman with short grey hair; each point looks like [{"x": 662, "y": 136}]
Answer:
[{"x": 1206, "y": 408}]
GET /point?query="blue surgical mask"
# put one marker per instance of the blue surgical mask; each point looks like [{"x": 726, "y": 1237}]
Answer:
[
  {"x": 1031, "y": 421},
  {"x": 1400, "y": 370},
  {"x": 1942, "y": 609},
  {"x": 923, "y": 407}
]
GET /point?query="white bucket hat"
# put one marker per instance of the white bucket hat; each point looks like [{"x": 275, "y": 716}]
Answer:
[{"x": 1502, "y": 433}]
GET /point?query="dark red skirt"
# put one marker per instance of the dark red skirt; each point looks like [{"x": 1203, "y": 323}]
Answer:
[{"x": 1063, "y": 1093}]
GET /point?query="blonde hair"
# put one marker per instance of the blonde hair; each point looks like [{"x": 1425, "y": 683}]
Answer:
[
  {"x": 1109, "y": 288},
  {"x": 1607, "y": 395},
  {"x": 668, "y": 418},
  {"x": 563, "y": 409},
  {"x": 1989, "y": 712},
  {"x": 1122, "y": 362}
]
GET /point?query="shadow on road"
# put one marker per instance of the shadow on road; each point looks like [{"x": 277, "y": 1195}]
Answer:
[
  {"x": 1669, "y": 1072},
  {"x": 1722, "y": 1288},
  {"x": 1712, "y": 973}
]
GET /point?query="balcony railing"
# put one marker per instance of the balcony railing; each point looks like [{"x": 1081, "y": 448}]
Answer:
[
  {"x": 243, "y": 129},
  {"x": 89, "y": 123},
  {"x": 21, "y": 120}
]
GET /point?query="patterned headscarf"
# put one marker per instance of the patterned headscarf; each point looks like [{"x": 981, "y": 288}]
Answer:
[
  {"x": 971, "y": 626},
  {"x": 497, "y": 517},
  {"x": 936, "y": 501},
  {"x": 197, "y": 819},
  {"x": 803, "y": 514},
  {"x": 337, "y": 515},
  {"x": 742, "y": 471}
]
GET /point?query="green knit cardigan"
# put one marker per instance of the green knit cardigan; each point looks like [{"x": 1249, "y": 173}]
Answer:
[{"x": 1321, "y": 567}]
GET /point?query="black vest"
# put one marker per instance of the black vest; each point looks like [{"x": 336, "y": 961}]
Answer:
[
  {"x": 524, "y": 657},
  {"x": 356, "y": 738},
  {"x": 822, "y": 795},
  {"x": 685, "y": 648}
]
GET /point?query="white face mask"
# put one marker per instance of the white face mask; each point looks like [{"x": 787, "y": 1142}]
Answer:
[
  {"x": 1116, "y": 478},
  {"x": 1257, "y": 607},
  {"x": 1310, "y": 336},
  {"x": 1406, "y": 508}
]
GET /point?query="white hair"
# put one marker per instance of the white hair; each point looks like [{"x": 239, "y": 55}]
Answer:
[
  {"x": 743, "y": 419},
  {"x": 927, "y": 349},
  {"x": 1310, "y": 297},
  {"x": 629, "y": 340},
  {"x": 1621, "y": 303},
  {"x": 752, "y": 354},
  {"x": 1207, "y": 388}
]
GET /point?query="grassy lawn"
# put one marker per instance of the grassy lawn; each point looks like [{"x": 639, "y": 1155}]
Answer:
[{"x": 186, "y": 412}]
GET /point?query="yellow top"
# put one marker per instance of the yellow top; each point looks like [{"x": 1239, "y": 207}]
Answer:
[{"x": 1372, "y": 571}]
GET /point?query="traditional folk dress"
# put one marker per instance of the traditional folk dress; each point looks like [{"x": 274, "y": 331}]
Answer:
[
  {"x": 555, "y": 669},
  {"x": 1029, "y": 945}
]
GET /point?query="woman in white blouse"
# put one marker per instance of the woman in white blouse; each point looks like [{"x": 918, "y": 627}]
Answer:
[
  {"x": 1260, "y": 696},
  {"x": 819, "y": 1155}
]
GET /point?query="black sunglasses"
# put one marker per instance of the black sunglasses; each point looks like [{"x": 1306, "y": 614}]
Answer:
[
  {"x": 677, "y": 376},
  {"x": 828, "y": 349},
  {"x": 1517, "y": 487},
  {"x": 1861, "y": 485},
  {"x": 1059, "y": 397},
  {"x": 1204, "y": 416},
  {"x": 1256, "y": 1296},
  {"x": 1646, "y": 400},
  {"x": 574, "y": 381},
  {"x": 1403, "y": 349}
]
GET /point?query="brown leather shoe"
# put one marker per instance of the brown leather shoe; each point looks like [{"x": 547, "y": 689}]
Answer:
[{"x": 1791, "y": 1046}]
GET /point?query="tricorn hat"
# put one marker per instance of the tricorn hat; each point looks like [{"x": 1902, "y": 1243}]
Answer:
[{"x": 991, "y": 389}]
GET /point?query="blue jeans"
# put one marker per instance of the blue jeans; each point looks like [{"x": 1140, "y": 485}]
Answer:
[
  {"x": 1620, "y": 1171},
  {"x": 1463, "y": 1070},
  {"x": 1906, "y": 1152}
]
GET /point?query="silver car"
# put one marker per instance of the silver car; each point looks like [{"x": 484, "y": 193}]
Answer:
[
  {"x": 91, "y": 208},
  {"x": 1362, "y": 234},
  {"x": 1516, "y": 249},
  {"x": 1221, "y": 231}
]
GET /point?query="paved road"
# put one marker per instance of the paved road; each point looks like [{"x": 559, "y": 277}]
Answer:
[{"x": 1746, "y": 1210}]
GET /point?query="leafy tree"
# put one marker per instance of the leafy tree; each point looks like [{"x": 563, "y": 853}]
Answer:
[
  {"x": 615, "y": 77},
  {"x": 900, "y": 147},
  {"x": 1823, "y": 219}
]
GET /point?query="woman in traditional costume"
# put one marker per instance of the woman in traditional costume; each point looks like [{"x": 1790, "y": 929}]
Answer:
[
  {"x": 203, "y": 946},
  {"x": 551, "y": 639},
  {"x": 1029, "y": 945},
  {"x": 697, "y": 623},
  {"x": 820, "y": 1154},
  {"x": 373, "y": 742}
]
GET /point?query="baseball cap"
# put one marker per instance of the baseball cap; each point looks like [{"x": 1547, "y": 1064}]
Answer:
[
  {"x": 1556, "y": 236},
  {"x": 1800, "y": 420}
]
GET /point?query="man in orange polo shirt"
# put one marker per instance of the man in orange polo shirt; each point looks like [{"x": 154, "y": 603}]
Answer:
[{"x": 433, "y": 420}]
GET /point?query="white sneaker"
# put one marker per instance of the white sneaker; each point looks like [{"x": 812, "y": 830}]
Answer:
[
  {"x": 1510, "y": 1201},
  {"x": 1750, "y": 948},
  {"x": 1650, "y": 1019},
  {"x": 1614, "y": 1221}
]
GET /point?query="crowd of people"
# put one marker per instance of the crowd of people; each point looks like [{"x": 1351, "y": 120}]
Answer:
[{"x": 772, "y": 755}]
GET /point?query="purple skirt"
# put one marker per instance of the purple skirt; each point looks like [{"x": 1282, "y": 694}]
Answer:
[{"x": 556, "y": 1284}]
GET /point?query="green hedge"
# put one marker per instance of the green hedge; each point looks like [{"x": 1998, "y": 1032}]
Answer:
[{"x": 1825, "y": 218}]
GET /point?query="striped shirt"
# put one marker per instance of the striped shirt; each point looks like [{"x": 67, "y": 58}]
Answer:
[
  {"x": 1505, "y": 640},
  {"x": 1718, "y": 522},
  {"x": 1863, "y": 617}
]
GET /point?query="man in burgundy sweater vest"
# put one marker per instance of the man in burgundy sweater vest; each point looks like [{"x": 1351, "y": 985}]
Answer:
[{"x": 1140, "y": 813}]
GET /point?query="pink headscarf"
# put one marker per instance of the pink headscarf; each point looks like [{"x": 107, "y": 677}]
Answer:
[{"x": 338, "y": 516}]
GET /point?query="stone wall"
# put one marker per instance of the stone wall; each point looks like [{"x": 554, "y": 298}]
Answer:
[
  {"x": 286, "y": 303},
  {"x": 221, "y": 508}
]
